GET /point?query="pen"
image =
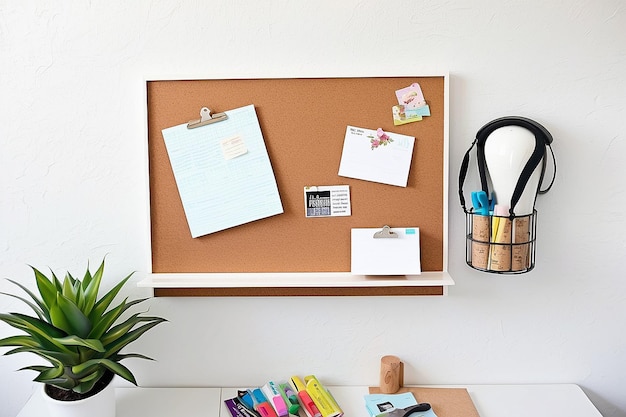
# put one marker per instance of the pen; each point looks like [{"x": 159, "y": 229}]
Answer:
[{"x": 305, "y": 398}]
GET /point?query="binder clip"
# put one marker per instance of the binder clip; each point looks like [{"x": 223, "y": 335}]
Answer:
[
  {"x": 206, "y": 118},
  {"x": 385, "y": 233}
]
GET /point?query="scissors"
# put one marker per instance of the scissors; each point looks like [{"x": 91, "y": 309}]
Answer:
[
  {"x": 481, "y": 202},
  {"x": 406, "y": 412}
]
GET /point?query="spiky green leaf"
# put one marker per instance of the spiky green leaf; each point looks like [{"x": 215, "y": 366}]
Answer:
[
  {"x": 103, "y": 303},
  {"x": 91, "y": 289},
  {"x": 104, "y": 323},
  {"x": 21, "y": 340},
  {"x": 39, "y": 302},
  {"x": 114, "y": 347},
  {"x": 37, "y": 368},
  {"x": 33, "y": 306},
  {"x": 123, "y": 328},
  {"x": 121, "y": 357},
  {"x": 56, "y": 281},
  {"x": 70, "y": 278},
  {"x": 87, "y": 383},
  {"x": 47, "y": 289},
  {"x": 40, "y": 330},
  {"x": 66, "y": 358},
  {"x": 68, "y": 289},
  {"x": 113, "y": 366},
  {"x": 31, "y": 324},
  {"x": 73, "y": 340},
  {"x": 67, "y": 316},
  {"x": 63, "y": 383},
  {"x": 50, "y": 373},
  {"x": 87, "y": 277}
]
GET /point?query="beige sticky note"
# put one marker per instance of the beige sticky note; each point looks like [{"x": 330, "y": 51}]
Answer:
[{"x": 233, "y": 147}]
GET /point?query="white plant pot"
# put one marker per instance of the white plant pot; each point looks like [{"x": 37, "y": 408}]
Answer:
[{"x": 100, "y": 405}]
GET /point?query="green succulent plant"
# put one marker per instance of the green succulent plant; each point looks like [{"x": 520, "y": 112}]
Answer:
[{"x": 75, "y": 331}]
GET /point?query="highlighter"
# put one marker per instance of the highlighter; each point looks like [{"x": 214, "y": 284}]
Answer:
[
  {"x": 305, "y": 398},
  {"x": 275, "y": 398},
  {"x": 261, "y": 405},
  {"x": 291, "y": 399}
]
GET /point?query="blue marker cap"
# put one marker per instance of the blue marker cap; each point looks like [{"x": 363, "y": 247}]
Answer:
[{"x": 258, "y": 396}]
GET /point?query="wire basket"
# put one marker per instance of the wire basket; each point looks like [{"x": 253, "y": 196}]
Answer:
[{"x": 500, "y": 244}]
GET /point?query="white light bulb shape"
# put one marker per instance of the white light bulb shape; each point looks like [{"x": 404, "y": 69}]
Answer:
[{"x": 507, "y": 150}]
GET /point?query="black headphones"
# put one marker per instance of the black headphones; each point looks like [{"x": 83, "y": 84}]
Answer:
[
  {"x": 543, "y": 138},
  {"x": 539, "y": 131}
]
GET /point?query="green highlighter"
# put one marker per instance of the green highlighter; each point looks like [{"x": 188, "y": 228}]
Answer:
[{"x": 290, "y": 397}]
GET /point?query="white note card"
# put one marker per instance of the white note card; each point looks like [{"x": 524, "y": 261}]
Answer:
[
  {"x": 368, "y": 156},
  {"x": 223, "y": 172},
  {"x": 386, "y": 256}
]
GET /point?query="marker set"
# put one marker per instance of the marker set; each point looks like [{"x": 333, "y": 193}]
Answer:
[{"x": 297, "y": 397}]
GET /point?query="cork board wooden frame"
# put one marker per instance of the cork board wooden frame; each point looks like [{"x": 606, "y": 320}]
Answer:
[{"x": 303, "y": 121}]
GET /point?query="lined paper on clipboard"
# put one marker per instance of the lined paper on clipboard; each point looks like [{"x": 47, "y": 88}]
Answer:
[{"x": 223, "y": 172}]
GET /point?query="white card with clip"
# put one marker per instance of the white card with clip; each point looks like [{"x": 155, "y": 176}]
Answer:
[{"x": 386, "y": 251}]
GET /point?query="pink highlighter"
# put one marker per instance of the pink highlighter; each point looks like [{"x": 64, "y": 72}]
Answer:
[{"x": 270, "y": 390}]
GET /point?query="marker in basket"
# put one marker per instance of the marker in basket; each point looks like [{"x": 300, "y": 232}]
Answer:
[{"x": 500, "y": 259}]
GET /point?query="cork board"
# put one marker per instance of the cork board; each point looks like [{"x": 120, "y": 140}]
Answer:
[
  {"x": 303, "y": 122},
  {"x": 446, "y": 402}
]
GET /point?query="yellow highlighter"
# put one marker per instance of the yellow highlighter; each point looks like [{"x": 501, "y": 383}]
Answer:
[
  {"x": 322, "y": 397},
  {"x": 305, "y": 399},
  {"x": 495, "y": 222},
  {"x": 500, "y": 255}
]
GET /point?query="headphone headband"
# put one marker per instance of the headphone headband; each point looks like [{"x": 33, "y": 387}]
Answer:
[{"x": 538, "y": 130}]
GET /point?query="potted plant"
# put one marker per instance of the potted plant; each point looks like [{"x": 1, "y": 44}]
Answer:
[{"x": 80, "y": 336}]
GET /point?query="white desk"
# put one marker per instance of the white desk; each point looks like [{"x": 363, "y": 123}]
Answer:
[
  {"x": 547, "y": 400},
  {"x": 149, "y": 402}
]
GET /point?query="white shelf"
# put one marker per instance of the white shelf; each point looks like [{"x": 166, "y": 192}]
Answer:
[{"x": 293, "y": 280}]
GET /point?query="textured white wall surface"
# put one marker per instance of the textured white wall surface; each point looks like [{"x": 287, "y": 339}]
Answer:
[{"x": 73, "y": 182}]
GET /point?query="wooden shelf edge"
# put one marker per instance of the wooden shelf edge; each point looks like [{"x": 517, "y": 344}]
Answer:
[{"x": 294, "y": 284}]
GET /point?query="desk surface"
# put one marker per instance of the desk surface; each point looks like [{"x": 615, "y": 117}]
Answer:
[{"x": 546, "y": 400}]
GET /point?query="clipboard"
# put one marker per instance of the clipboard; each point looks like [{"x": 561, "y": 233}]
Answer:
[
  {"x": 222, "y": 170},
  {"x": 386, "y": 251}
]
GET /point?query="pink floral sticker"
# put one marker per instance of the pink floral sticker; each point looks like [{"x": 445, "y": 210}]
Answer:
[{"x": 381, "y": 139}]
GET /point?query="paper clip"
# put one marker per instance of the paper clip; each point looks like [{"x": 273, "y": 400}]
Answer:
[
  {"x": 206, "y": 118},
  {"x": 385, "y": 233}
]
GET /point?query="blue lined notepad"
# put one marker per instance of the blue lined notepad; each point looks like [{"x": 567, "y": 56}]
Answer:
[{"x": 223, "y": 172}]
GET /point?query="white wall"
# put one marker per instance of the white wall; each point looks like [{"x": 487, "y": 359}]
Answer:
[{"x": 72, "y": 181}]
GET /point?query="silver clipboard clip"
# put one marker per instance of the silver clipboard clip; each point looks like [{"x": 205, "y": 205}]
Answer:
[
  {"x": 385, "y": 233},
  {"x": 206, "y": 118}
]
